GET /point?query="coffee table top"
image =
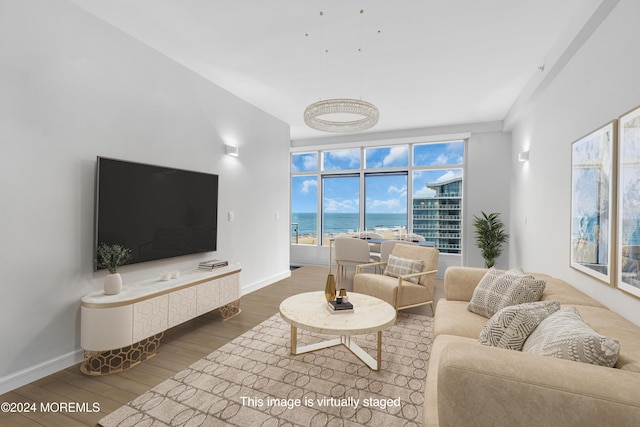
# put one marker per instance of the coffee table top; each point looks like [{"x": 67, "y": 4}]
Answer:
[{"x": 309, "y": 311}]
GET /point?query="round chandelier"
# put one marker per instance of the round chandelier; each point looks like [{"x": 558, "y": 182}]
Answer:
[{"x": 367, "y": 112}]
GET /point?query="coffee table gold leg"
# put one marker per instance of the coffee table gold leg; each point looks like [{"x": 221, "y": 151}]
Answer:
[
  {"x": 294, "y": 340},
  {"x": 379, "y": 358}
]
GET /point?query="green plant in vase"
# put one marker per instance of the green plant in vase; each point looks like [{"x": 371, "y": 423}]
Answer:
[
  {"x": 490, "y": 235},
  {"x": 112, "y": 257}
]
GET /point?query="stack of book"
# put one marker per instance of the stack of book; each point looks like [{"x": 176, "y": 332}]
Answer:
[
  {"x": 344, "y": 307},
  {"x": 211, "y": 264}
]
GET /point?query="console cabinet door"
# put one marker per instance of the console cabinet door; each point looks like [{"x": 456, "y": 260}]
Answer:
[
  {"x": 208, "y": 296},
  {"x": 106, "y": 328},
  {"x": 229, "y": 289},
  {"x": 150, "y": 317},
  {"x": 182, "y": 306}
]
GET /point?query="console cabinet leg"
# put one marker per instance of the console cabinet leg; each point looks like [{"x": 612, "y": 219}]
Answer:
[
  {"x": 118, "y": 360},
  {"x": 230, "y": 310}
]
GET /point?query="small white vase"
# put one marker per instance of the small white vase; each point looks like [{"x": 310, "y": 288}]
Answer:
[{"x": 112, "y": 284}]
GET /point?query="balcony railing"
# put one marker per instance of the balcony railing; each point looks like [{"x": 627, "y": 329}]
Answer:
[
  {"x": 436, "y": 227},
  {"x": 436, "y": 207},
  {"x": 437, "y": 216}
]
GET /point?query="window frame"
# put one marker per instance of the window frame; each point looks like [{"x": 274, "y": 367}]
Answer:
[{"x": 363, "y": 171}]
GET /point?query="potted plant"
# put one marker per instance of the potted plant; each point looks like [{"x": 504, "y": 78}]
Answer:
[
  {"x": 490, "y": 235},
  {"x": 112, "y": 257}
]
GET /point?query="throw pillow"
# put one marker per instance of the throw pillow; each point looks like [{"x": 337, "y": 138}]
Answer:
[
  {"x": 511, "y": 326},
  {"x": 565, "y": 336},
  {"x": 499, "y": 289},
  {"x": 397, "y": 267}
]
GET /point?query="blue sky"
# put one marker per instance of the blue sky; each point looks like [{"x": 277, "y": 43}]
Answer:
[{"x": 384, "y": 194}]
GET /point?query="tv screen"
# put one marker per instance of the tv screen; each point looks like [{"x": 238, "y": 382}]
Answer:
[{"x": 157, "y": 212}]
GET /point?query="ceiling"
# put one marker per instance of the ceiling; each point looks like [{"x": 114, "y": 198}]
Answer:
[{"x": 424, "y": 63}]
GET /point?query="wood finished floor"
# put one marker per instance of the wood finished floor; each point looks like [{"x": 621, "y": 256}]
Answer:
[{"x": 180, "y": 347}]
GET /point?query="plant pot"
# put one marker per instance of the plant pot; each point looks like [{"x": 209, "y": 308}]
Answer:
[{"x": 112, "y": 284}]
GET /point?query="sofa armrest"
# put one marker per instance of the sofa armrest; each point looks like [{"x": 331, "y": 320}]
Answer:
[
  {"x": 487, "y": 386},
  {"x": 459, "y": 282}
]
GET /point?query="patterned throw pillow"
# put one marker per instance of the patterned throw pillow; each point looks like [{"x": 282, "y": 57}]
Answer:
[
  {"x": 499, "y": 289},
  {"x": 565, "y": 336},
  {"x": 511, "y": 326},
  {"x": 397, "y": 267}
]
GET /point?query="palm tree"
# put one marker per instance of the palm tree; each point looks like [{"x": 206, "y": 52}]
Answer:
[{"x": 490, "y": 236}]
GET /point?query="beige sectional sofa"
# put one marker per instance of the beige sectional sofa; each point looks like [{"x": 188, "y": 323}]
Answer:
[{"x": 469, "y": 384}]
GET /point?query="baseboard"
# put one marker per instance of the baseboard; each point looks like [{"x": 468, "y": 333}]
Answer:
[
  {"x": 266, "y": 282},
  {"x": 41, "y": 370}
]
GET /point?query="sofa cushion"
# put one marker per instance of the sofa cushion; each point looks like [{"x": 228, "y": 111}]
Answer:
[
  {"x": 397, "y": 267},
  {"x": 499, "y": 289},
  {"x": 609, "y": 323},
  {"x": 460, "y": 282},
  {"x": 565, "y": 336},
  {"x": 453, "y": 318},
  {"x": 511, "y": 326}
]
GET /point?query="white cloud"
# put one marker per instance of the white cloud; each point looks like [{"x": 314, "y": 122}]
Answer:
[
  {"x": 424, "y": 192},
  {"x": 395, "y": 153},
  {"x": 387, "y": 204},
  {"x": 353, "y": 156},
  {"x": 401, "y": 191},
  {"x": 333, "y": 205},
  {"x": 447, "y": 176},
  {"x": 442, "y": 160},
  {"x": 307, "y": 183},
  {"x": 310, "y": 162}
]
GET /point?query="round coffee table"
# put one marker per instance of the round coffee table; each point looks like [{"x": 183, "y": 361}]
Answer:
[{"x": 308, "y": 311}]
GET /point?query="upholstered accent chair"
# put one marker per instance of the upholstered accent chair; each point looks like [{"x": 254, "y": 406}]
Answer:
[{"x": 408, "y": 279}]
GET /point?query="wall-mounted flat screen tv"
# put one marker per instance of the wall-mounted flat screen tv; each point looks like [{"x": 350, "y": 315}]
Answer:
[{"x": 156, "y": 211}]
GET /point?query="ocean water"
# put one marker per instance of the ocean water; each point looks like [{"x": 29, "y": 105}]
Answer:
[{"x": 344, "y": 222}]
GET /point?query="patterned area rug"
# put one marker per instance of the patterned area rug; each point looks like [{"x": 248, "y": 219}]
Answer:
[{"x": 254, "y": 381}]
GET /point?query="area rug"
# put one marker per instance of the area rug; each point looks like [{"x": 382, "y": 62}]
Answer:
[{"x": 254, "y": 381}]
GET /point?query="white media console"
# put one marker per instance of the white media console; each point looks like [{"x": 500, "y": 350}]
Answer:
[{"x": 121, "y": 331}]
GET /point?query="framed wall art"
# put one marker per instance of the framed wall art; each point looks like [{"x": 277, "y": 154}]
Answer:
[
  {"x": 628, "y": 278},
  {"x": 592, "y": 202}
]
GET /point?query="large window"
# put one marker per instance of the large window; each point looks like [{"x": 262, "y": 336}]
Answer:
[
  {"x": 385, "y": 201},
  {"x": 437, "y": 207},
  {"x": 304, "y": 209},
  {"x": 393, "y": 190},
  {"x": 340, "y": 205}
]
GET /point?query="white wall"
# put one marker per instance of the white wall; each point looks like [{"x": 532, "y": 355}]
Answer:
[
  {"x": 487, "y": 190},
  {"x": 487, "y": 183},
  {"x": 597, "y": 85},
  {"x": 74, "y": 88}
]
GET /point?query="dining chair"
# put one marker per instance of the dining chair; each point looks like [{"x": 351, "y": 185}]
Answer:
[
  {"x": 414, "y": 238},
  {"x": 350, "y": 251},
  {"x": 386, "y": 247}
]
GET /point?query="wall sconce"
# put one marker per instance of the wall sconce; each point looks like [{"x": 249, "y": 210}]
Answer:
[
  {"x": 524, "y": 156},
  {"x": 230, "y": 150}
]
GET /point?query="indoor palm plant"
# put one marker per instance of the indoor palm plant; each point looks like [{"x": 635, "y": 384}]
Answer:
[
  {"x": 490, "y": 235},
  {"x": 112, "y": 257}
]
